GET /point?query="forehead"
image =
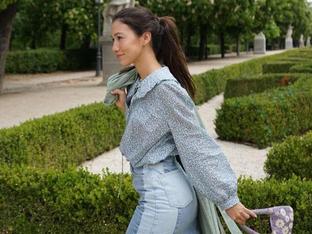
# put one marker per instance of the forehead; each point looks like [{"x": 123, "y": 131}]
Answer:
[{"x": 120, "y": 28}]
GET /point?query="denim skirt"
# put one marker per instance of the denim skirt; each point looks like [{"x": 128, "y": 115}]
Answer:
[{"x": 167, "y": 203}]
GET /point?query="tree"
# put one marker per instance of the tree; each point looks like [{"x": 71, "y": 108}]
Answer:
[
  {"x": 200, "y": 15},
  {"x": 241, "y": 21},
  {"x": 283, "y": 13},
  {"x": 232, "y": 16},
  {"x": 192, "y": 18},
  {"x": 36, "y": 20},
  {"x": 7, "y": 14}
]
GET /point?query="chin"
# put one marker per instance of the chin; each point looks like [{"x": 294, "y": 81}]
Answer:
[{"x": 125, "y": 63}]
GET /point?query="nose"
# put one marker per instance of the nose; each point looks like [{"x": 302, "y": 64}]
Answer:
[{"x": 115, "y": 46}]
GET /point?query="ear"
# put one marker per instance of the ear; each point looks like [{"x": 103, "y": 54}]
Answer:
[{"x": 146, "y": 38}]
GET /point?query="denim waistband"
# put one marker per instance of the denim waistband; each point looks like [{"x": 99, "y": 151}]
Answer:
[{"x": 164, "y": 166}]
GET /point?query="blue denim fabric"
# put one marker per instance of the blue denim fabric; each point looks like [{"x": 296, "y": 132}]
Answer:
[{"x": 167, "y": 204}]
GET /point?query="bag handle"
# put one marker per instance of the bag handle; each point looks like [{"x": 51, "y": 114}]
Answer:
[
  {"x": 248, "y": 229},
  {"x": 265, "y": 211}
]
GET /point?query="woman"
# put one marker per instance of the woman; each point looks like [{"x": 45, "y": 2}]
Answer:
[{"x": 161, "y": 126}]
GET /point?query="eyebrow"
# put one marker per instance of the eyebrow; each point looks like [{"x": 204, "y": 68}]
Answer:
[{"x": 117, "y": 34}]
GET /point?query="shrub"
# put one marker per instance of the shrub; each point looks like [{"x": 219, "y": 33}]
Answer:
[
  {"x": 302, "y": 68},
  {"x": 257, "y": 84},
  {"x": 47, "y": 201},
  {"x": 267, "y": 117},
  {"x": 267, "y": 193},
  {"x": 291, "y": 157},
  {"x": 33, "y": 61},
  {"x": 49, "y": 60},
  {"x": 63, "y": 139},
  {"x": 278, "y": 67},
  {"x": 213, "y": 82}
]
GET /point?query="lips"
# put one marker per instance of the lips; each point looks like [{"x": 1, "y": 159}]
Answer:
[{"x": 119, "y": 55}]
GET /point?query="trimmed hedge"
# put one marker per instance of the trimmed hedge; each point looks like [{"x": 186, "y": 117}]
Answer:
[
  {"x": 49, "y": 60},
  {"x": 291, "y": 157},
  {"x": 51, "y": 201},
  {"x": 267, "y": 117},
  {"x": 63, "y": 139},
  {"x": 294, "y": 59},
  {"x": 36, "y": 200},
  {"x": 301, "y": 68},
  {"x": 278, "y": 66},
  {"x": 33, "y": 61},
  {"x": 213, "y": 82},
  {"x": 257, "y": 84},
  {"x": 268, "y": 193},
  {"x": 301, "y": 53},
  {"x": 287, "y": 60}
]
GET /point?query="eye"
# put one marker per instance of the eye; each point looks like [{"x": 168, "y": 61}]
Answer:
[{"x": 117, "y": 38}]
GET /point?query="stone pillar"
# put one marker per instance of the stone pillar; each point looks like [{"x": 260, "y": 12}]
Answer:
[
  {"x": 301, "y": 41},
  {"x": 110, "y": 63},
  {"x": 308, "y": 43},
  {"x": 289, "y": 41},
  {"x": 260, "y": 44}
]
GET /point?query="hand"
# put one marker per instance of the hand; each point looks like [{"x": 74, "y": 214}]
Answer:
[
  {"x": 120, "y": 103},
  {"x": 240, "y": 214}
]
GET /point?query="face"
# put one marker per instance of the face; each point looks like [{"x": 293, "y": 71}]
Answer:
[{"x": 127, "y": 46}]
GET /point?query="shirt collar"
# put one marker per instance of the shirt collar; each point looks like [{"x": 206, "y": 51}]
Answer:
[{"x": 149, "y": 82}]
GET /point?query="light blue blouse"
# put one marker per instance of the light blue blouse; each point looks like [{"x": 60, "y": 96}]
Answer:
[{"x": 161, "y": 121}]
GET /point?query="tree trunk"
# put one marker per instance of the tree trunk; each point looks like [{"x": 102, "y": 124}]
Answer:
[
  {"x": 238, "y": 45},
  {"x": 247, "y": 46},
  {"x": 6, "y": 20},
  {"x": 281, "y": 43},
  {"x": 188, "y": 41},
  {"x": 203, "y": 42},
  {"x": 63, "y": 37},
  {"x": 33, "y": 43},
  {"x": 222, "y": 47}
]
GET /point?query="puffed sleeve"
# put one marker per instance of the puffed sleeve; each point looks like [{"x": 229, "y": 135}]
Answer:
[{"x": 203, "y": 160}]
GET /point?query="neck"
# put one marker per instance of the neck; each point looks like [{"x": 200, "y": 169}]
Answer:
[{"x": 146, "y": 65}]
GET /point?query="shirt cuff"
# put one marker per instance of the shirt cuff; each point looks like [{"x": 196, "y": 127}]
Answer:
[{"x": 229, "y": 203}]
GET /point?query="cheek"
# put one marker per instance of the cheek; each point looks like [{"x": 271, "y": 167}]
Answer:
[{"x": 132, "y": 45}]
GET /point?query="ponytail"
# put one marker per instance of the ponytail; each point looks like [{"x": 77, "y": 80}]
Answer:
[
  {"x": 174, "y": 57},
  {"x": 165, "y": 41}
]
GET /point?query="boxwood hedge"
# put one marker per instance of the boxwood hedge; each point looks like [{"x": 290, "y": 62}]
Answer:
[
  {"x": 267, "y": 117},
  {"x": 258, "y": 84},
  {"x": 291, "y": 157},
  {"x": 49, "y": 60},
  {"x": 34, "y": 200},
  {"x": 63, "y": 139}
]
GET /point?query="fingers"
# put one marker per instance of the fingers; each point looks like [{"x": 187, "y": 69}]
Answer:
[
  {"x": 118, "y": 92},
  {"x": 240, "y": 214},
  {"x": 252, "y": 214},
  {"x": 121, "y": 95},
  {"x": 241, "y": 218}
]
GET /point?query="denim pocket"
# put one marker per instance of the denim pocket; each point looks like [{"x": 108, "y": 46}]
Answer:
[{"x": 177, "y": 189}]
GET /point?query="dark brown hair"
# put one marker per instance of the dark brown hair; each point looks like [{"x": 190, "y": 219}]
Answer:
[{"x": 165, "y": 41}]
